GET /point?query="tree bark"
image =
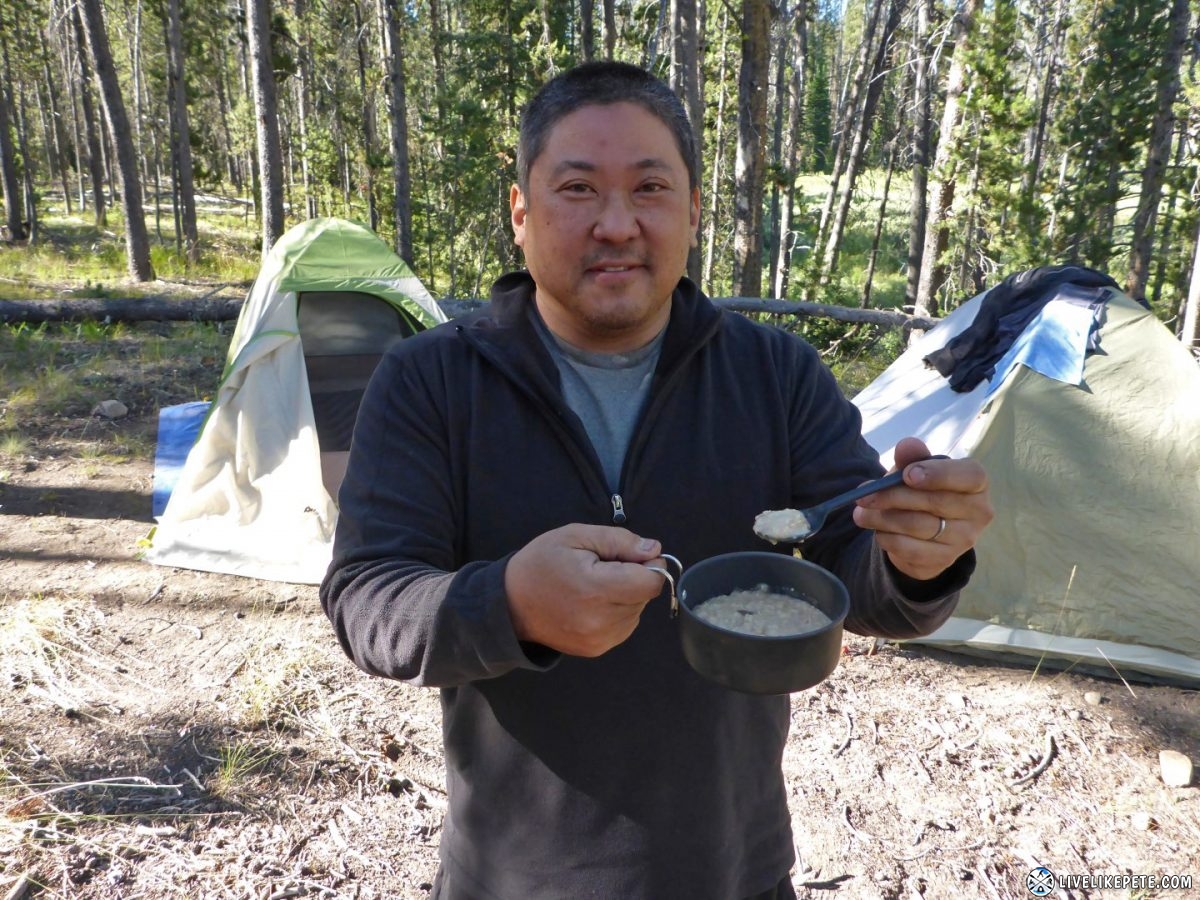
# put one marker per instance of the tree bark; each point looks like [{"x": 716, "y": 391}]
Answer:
[
  {"x": 166, "y": 309},
  {"x": 587, "y": 30},
  {"x": 182, "y": 148},
  {"x": 919, "y": 167},
  {"x": 368, "y": 115},
  {"x": 858, "y": 145},
  {"x": 266, "y": 109},
  {"x": 304, "y": 103},
  {"x": 752, "y": 122},
  {"x": 933, "y": 272},
  {"x": 14, "y": 222},
  {"x": 610, "y": 29},
  {"x": 402, "y": 206},
  {"x": 873, "y": 255},
  {"x": 714, "y": 193},
  {"x": 1037, "y": 140},
  {"x": 1158, "y": 151},
  {"x": 56, "y": 124},
  {"x": 137, "y": 241},
  {"x": 847, "y": 116},
  {"x": 685, "y": 81},
  {"x": 790, "y": 151},
  {"x": 1190, "y": 332}
]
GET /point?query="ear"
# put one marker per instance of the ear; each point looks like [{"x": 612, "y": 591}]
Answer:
[
  {"x": 516, "y": 202},
  {"x": 694, "y": 217}
]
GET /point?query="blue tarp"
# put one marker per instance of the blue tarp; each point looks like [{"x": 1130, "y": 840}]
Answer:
[{"x": 178, "y": 428}]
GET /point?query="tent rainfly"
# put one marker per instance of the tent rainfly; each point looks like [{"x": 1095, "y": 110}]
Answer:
[
  {"x": 1093, "y": 558},
  {"x": 256, "y": 495}
]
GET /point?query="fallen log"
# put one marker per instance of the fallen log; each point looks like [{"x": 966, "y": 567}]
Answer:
[
  {"x": 123, "y": 309},
  {"x": 168, "y": 309}
]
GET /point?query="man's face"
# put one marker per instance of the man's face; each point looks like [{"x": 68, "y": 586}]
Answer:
[{"x": 606, "y": 226}]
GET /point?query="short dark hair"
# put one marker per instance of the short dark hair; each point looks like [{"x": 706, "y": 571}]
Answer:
[{"x": 602, "y": 83}]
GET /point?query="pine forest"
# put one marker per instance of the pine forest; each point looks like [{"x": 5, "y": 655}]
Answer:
[{"x": 866, "y": 153}]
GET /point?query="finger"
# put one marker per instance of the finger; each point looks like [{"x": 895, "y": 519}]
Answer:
[
  {"x": 918, "y": 524},
  {"x": 910, "y": 450},
  {"x": 610, "y": 543},
  {"x": 959, "y": 476}
]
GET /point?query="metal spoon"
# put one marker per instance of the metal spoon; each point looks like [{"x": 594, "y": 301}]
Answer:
[{"x": 795, "y": 525}]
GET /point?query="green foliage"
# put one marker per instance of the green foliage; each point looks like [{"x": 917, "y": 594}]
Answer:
[
  {"x": 1105, "y": 118},
  {"x": 998, "y": 226}
]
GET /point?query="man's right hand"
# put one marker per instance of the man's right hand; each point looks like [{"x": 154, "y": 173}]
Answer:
[{"x": 581, "y": 589}]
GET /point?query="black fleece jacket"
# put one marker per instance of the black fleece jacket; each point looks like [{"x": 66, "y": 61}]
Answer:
[{"x": 626, "y": 776}]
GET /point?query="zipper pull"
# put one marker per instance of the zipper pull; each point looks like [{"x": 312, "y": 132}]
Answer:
[{"x": 618, "y": 506}]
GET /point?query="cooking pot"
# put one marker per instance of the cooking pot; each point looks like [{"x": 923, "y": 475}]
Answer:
[{"x": 756, "y": 664}]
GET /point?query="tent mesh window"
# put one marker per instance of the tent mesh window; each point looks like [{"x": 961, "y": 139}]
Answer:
[{"x": 344, "y": 335}]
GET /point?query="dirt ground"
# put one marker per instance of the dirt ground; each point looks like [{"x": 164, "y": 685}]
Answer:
[{"x": 168, "y": 733}]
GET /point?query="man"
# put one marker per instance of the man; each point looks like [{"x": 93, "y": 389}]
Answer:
[{"x": 514, "y": 474}]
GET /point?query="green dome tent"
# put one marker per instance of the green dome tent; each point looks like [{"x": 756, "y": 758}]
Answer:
[
  {"x": 1093, "y": 558},
  {"x": 256, "y": 495}
]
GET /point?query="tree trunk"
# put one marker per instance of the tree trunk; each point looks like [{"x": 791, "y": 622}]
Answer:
[
  {"x": 752, "y": 122},
  {"x": 368, "y": 115},
  {"x": 714, "y": 193},
  {"x": 182, "y": 149},
  {"x": 31, "y": 214},
  {"x": 933, "y": 271},
  {"x": 67, "y": 61},
  {"x": 168, "y": 309},
  {"x": 14, "y": 222},
  {"x": 610, "y": 29},
  {"x": 861, "y": 134},
  {"x": 872, "y": 257},
  {"x": 91, "y": 126},
  {"x": 778, "y": 116},
  {"x": 56, "y": 124},
  {"x": 848, "y": 116},
  {"x": 1037, "y": 142},
  {"x": 402, "y": 209},
  {"x": 1166, "y": 234},
  {"x": 587, "y": 30},
  {"x": 790, "y": 151},
  {"x": 685, "y": 81},
  {"x": 266, "y": 109},
  {"x": 233, "y": 168},
  {"x": 1190, "y": 332},
  {"x": 303, "y": 101},
  {"x": 1158, "y": 151},
  {"x": 137, "y": 241},
  {"x": 922, "y": 121}
]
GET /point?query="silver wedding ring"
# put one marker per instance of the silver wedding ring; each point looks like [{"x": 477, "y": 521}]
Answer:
[{"x": 941, "y": 528}]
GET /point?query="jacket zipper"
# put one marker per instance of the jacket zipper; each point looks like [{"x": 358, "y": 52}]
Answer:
[{"x": 618, "y": 507}]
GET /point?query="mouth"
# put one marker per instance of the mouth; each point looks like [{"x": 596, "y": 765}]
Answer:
[{"x": 612, "y": 268}]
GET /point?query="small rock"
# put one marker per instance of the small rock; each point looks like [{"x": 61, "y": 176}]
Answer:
[
  {"x": 1176, "y": 768},
  {"x": 1142, "y": 821},
  {"x": 958, "y": 701},
  {"x": 111, "y": 409},
  {"x": 1093, "y": 698},
  {"x": 1074, "y": 715}
]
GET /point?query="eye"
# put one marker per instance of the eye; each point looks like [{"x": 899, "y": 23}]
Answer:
[
  {"x": 576, "y": 187},
  {"x": 651, "y": 187}
]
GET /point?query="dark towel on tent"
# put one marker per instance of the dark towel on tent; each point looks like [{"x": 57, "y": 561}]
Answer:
[{"x": 971, "y": 356}]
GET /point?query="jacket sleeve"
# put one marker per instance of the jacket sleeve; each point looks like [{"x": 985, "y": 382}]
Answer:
[
  {"x": 400, "y": 606},
  {"x": 830, "y": 456}
]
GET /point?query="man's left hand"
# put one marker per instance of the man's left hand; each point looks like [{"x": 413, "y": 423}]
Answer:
[{"x": 932, "y": 519}]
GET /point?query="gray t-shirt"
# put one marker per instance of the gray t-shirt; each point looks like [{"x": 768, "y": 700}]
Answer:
[{"x": 606, "y": 391}]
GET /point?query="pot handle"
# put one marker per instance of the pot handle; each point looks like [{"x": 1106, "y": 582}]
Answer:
[{"x": 670, "y": 580}]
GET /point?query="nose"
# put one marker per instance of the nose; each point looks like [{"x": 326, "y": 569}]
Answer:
[{"x": 617, "y": 221}]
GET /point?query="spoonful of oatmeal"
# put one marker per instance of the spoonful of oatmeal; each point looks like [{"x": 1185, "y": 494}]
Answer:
[{"x": 790, "y": 526}]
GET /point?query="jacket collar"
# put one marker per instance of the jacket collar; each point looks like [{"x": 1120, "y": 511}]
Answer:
[{"x": 505, "y": 328}]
